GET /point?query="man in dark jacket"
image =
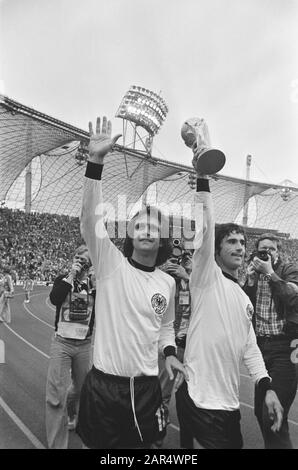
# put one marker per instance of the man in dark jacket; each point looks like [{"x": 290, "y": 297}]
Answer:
[
  {"x": 73, "y": 295},
  {"x": 271, "y": 287}
]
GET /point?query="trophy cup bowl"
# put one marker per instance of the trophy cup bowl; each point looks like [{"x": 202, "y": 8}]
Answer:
[{"x": 195, "y": 134}]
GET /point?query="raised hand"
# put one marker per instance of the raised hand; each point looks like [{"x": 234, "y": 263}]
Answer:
[
  {"x": 75, "y": 269},
  {"x": 101, "y": 142}
]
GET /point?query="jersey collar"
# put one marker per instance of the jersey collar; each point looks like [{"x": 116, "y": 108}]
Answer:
[
  {"x": 137, "y": 265},
  {"x": 229, "y": 276}
]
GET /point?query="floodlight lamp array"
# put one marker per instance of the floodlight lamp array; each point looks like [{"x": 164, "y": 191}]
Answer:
[
  {"x": 286, "y": 193},
  {"x": 82, "y": 153},
  {"x": 192, "y": 180},
  {"x": 143, "y": 107}
]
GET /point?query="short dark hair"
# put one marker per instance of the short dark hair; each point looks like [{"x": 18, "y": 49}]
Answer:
[
  {"x": 224, "y": 230},
  {"x": 165, "y": 249},
  {"x": 268, "y": 236}
]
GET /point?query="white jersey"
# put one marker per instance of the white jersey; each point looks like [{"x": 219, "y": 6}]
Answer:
[
  {"x": 134, "y": 310},
  {"x": 220, "y": 334}
]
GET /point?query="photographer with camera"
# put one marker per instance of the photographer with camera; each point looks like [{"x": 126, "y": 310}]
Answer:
[
  {"x": 269, "y": 286},
  {"x": 179, "y": 267},
  {"x": 73, "y": 294}
]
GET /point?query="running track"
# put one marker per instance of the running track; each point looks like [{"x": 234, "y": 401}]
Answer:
[{"x": 23, "y": 378}]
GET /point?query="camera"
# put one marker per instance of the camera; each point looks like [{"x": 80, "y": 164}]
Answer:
[
  {"x": 177, "y": 251},
  {"x": 78, "y": 309},
  {"x": 85, "y": 267},
  {"x": 263, "y": 255}
]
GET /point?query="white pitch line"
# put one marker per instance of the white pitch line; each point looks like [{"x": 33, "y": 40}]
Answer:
[
  {"x": 246, "y": 404},
  {"x": 25, "y": 341},
  {"x": 292, "y": 422},
  {"x": 33, "y": 439},
  {"x": 32, "y": 314},
  {"x": 48, "y": 305},
  {"x": 32, "y": 295},
  {"x": 48, "y": 357},
  {"x": 250, "y": 406},
  {"x": 174, "y": 427},
  {"x": 52, "y": 308},
  {"x": 247, "y": 376},
  {"x": 241, "y": 403}
]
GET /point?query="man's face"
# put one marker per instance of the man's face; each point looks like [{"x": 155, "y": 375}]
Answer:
[
  {"x": 269, "y": 245},
  {"x": 232, "y": 250},
  {"x": 82, "y": 258},
  {"x": 146, "y": 235}
]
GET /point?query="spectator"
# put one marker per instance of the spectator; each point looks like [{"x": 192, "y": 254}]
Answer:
[
  {"x": 28, "y": 287},
  {"x": 180, "y": 269},
  {"x": 6, "y": 292},
  {"x": 73, "y": 295},
  {"x": 269, "y": 286}
]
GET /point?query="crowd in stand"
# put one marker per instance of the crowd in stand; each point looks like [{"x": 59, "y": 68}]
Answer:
[
  {"x": 41, "y": 245},
  {"x": 37, "y": 244}
]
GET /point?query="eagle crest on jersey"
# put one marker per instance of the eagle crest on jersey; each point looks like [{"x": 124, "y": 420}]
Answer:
[{"x": 159, "y": 303}]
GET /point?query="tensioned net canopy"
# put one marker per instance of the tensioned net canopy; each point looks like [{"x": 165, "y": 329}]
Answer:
[{"x": 49, "y": 147}]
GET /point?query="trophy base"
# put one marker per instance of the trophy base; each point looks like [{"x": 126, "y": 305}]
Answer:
[{"x": 211, "y": 161}]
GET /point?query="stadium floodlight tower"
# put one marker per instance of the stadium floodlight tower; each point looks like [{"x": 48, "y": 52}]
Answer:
[
  {"x": 141, "y": 108},
  {"x": 81, "y": 155},
  {"x": 286, "y": 192}
]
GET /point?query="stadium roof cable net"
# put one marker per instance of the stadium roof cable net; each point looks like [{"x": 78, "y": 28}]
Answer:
[{"x": 52, "y": 148}]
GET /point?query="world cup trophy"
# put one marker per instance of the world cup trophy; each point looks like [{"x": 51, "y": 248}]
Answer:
[{"x": 195, "y": 134}]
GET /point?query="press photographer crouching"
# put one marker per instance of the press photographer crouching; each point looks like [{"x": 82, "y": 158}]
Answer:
[
  {"x": 271, "y": 286},
  {"x": 73, "y": 295}
]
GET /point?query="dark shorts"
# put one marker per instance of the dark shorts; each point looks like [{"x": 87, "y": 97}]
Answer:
[
  {"x": 107, "y": 417},
  {"x": 213, "y": 429}
]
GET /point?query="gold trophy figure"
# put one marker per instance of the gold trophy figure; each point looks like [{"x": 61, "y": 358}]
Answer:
[{"x": 195, "y": 134}]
